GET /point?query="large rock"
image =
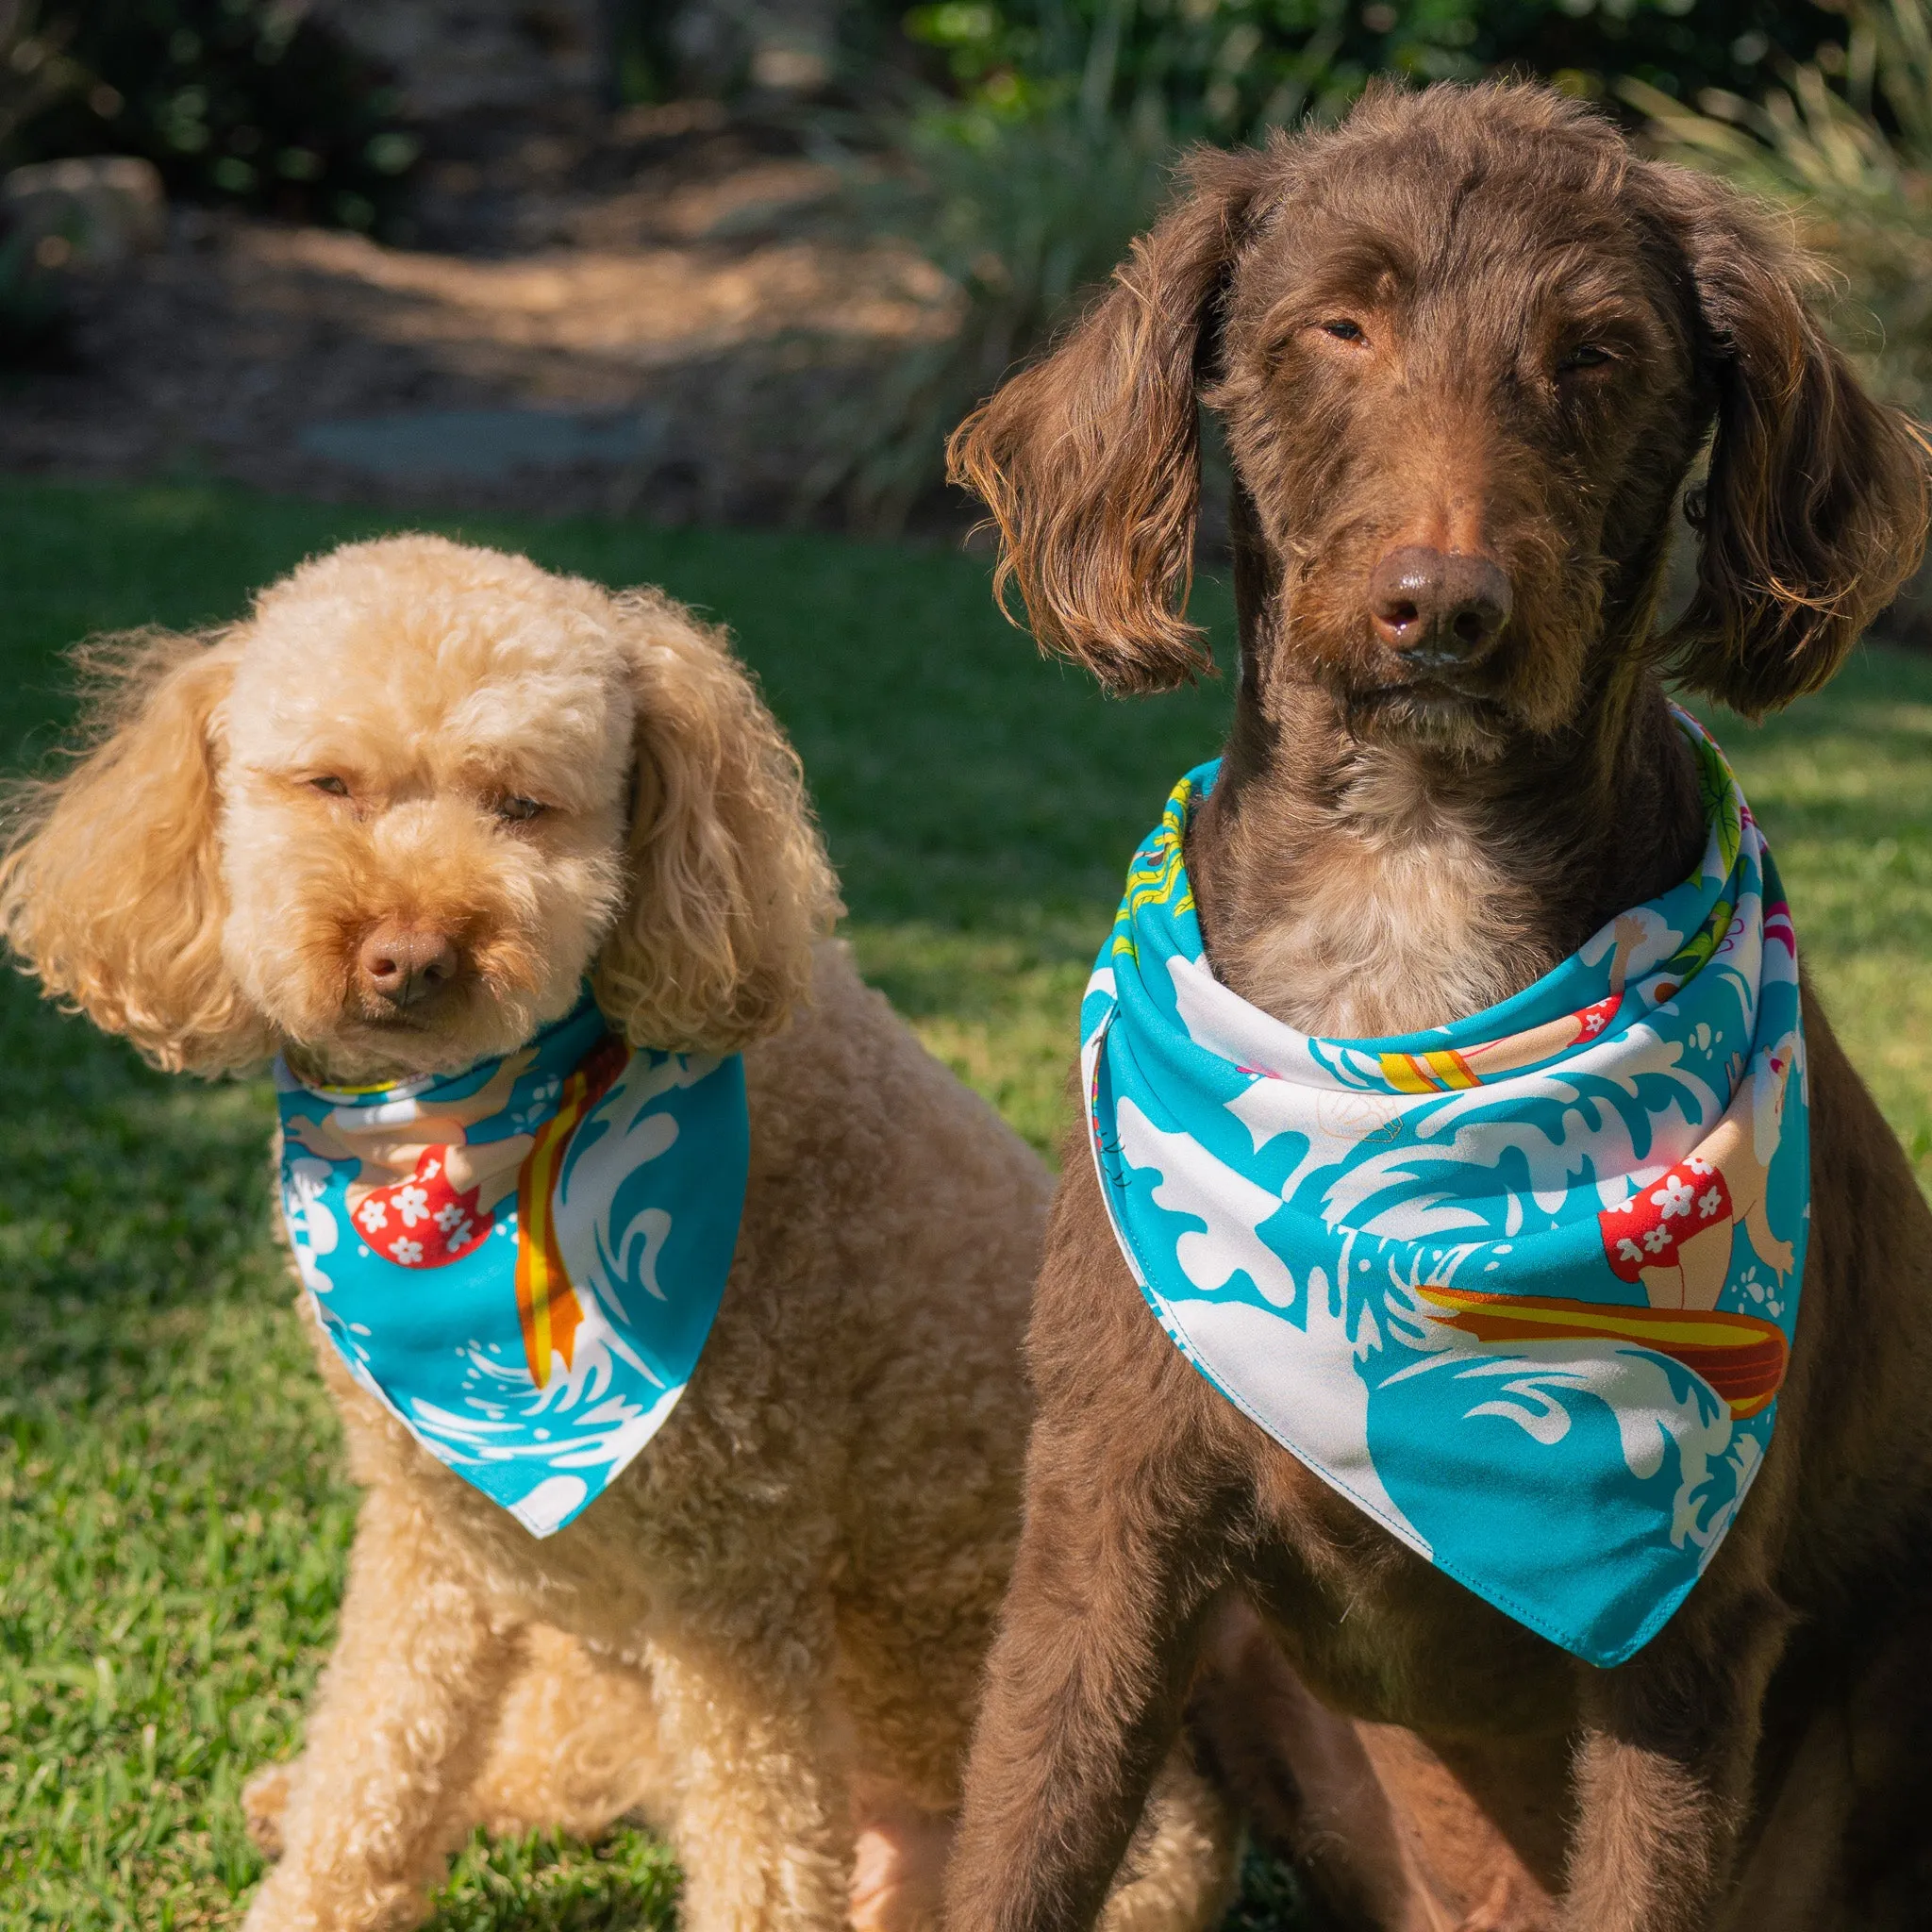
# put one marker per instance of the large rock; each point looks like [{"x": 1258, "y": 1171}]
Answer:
[{"x": 92, "y": 211}]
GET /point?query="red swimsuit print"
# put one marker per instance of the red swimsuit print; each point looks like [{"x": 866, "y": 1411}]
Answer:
[
  {"x": 423, "y": 1222},
  {"x": 1594, "y": 1018},
  {"x": 1646, "y": 1230}
]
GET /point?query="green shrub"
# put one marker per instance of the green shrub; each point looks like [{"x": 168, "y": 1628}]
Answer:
[
  {"x": 1222, "y": 69},
  {"x": 1847, "y": 145},
  {"x": 1021, "y": 212},
  {"x": 238, "y": 101}
]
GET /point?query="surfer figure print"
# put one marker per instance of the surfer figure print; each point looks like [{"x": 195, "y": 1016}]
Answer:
[
  {"x": 1450, "y": 1067},
  {"x": 438, "y": 1188},
  {"x": 1673, "y": 1235}
]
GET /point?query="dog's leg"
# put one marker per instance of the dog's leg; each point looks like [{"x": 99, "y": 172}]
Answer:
[
  {"x": 576, "y": 1746},
  {"x": 396, "y": 1734},
  {"x": 1085, "y": 1686},
  {"x": 1663, "y": 1768},
  {"x": 761, "y": 1828}
]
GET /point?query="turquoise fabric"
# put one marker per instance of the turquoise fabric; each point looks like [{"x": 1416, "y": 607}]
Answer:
[
  {"x": 1522, "y": 1286},
  {"x": 523, "y": 1260}
]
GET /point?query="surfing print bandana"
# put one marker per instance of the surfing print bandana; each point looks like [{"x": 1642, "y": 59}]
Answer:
[
  {"x": 1522, "y": 1287},
  {"x": 521, "y": 1262}
]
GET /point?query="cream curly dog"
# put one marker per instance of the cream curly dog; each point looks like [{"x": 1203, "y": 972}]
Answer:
[{"x": 389, "y": 824}]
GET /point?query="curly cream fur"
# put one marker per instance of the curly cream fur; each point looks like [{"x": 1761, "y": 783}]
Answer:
[
  {"x": 110, "y": 891},
  {"x": 766, "y": 1638}
]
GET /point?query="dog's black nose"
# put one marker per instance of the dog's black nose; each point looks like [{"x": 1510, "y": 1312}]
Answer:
[
  {"x": 403, "y": 964},
  {"x": 1445, "y": 607}
]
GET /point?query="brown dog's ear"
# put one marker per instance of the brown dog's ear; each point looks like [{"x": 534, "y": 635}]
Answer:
[
  {"x": 1814, "y": 512},
  {"x": 111, "y": 884},
  {"x": 1090, "y": 461},
  {"x": 730, "y": 883}
]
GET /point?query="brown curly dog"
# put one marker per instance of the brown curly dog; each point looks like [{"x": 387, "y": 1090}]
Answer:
[
  {"x": 1465, "y": 347},
  {"x": 768, "y": 1634}
]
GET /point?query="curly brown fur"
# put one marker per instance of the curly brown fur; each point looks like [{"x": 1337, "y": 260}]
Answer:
[
  {"x": 767, "y": 1635},
  {"x": 1469, "y": 323}
]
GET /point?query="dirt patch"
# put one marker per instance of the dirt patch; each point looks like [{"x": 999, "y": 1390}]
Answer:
[{"x": 665, "y": 296}]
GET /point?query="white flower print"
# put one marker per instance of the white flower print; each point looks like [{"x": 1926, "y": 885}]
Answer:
[
  {"x": 413, "y": 1204},
  {"x": 406, "y": 1251},
  {"x": 448, "y": 1215},
  {"x": 459, "y": 1235},
  {"x": 1697, "y": 1165},
  {"x": 1708, "y": 1203},
  {"x": 1674, "y": 1197},
  {"x": 1627, "y": 1250},
  {"x": 1656, "y": 1239},
  {"x": 373, "y": 1214},
  {"x": 431, "y": 1169}
]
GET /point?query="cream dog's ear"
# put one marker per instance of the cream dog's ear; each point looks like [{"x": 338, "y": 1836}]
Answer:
[
  {"x": 730, "y": 882},
  {"x": 110, "y": 885}
]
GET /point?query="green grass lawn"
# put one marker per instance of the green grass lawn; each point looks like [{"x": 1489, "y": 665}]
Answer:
[{"x": 172, "y": 1516}]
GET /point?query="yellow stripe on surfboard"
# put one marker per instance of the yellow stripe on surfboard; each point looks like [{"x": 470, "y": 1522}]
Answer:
[
  {"x": 1427, "y": 1072},
  {"x": 547, "y": 1306},
  {"x": 1701, "y": 1329}
]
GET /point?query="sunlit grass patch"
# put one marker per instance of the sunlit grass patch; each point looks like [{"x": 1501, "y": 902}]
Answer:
[{"x": 1000, "y": 1009}]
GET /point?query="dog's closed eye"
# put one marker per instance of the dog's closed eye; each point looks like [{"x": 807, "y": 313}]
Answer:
[
  {"x": 1584, "y": 355},
  {"x": 1343, "y": 329},
  {"x": 328, "y": 782},
  {"x": 520, "y": 811}
]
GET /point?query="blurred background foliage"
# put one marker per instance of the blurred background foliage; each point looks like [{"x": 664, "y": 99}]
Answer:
[
  {"x": 1017, "y": 144},
  {"x": 247, "y": 102},
  {"x": 1227, "y": 70},
  {"x": 1846, "y": 143},
  {"x": 1033, "y": 138},
  {"x": 1028, "y": 139}
]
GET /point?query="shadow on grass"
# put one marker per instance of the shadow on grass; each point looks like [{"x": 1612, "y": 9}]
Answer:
[{"x": 544, "y": 1882}]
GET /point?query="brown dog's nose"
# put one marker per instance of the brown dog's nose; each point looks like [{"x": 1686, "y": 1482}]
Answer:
[
  {"x": 1444, "y": 607},
  {"x": 406, "y": 963}
]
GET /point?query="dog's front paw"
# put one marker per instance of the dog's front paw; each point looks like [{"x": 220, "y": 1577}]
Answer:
[{"x": 264, "y": 1800}]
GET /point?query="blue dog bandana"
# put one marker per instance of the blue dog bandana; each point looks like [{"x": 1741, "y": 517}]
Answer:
[
  {"x": 1524, "y": 1286},
  {"x": 521, "y": 1262}
]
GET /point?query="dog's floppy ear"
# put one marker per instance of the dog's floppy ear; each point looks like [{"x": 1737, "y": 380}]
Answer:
[
  {"x": 729, "y": 884},
  {"x": 1814, "y": 512},
  {"x": 1090, "y": 461},
  {"x": 111, "y": 882}
]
